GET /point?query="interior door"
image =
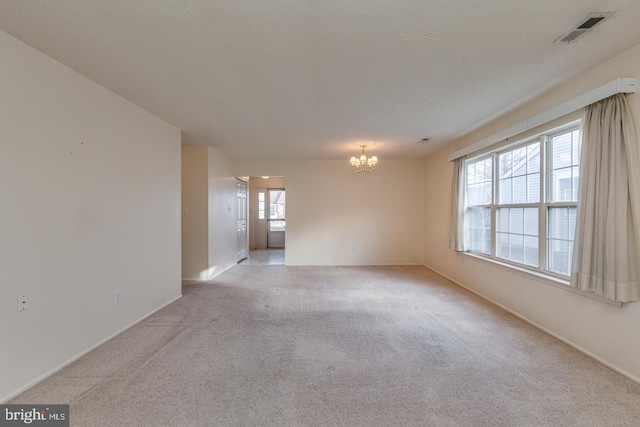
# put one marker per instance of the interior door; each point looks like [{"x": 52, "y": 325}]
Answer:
[
  {"x": 276, "y": 223},
  {"x": 241, "y": 220}
]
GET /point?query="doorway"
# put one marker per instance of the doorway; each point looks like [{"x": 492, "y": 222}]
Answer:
[
  {"x": 267, "y": 220},
  {"x": 276, "y": 220},
  {"x": 241, "y": 220}
]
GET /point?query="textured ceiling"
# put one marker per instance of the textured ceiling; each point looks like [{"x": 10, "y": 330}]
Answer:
[{"x": 313, "y": 79}]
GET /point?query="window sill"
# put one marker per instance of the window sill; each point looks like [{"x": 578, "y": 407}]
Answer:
[{"x": 547, "y": 279}]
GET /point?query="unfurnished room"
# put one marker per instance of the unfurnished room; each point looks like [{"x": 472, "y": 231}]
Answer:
[{"x": 319, "y": 213}]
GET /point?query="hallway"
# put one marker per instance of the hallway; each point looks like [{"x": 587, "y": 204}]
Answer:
[{"x": 264, "y": 257}]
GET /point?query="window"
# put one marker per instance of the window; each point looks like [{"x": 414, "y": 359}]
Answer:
[
  {"x": 518, "y": 179},
  {"x": 521, "y": 202},
  {"x": 261, "y": 205},
  {"x": 479, "y": 193},
  {"x": 564, "y": 156}
]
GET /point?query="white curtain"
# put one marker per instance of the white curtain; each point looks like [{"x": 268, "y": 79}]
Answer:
[
  {"x": 605, "y": 256},
  {"x": 458, "y": 207}
]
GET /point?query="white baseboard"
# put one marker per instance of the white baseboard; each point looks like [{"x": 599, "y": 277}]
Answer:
[
  {"x": 543, "y": 329},
  {"x": 382, "y": 264},
  {"x": 79, "y": 355}
]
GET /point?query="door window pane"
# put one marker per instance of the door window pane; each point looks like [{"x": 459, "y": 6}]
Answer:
[
  {"x": 276, "y": 204},
  {"x": 276, "y": 225}
]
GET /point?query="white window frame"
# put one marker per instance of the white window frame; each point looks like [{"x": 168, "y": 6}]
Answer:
[{"x": 543, "y": 205}]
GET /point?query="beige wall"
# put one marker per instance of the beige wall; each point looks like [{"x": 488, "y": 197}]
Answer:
[
  {"x": 90, "y": 194},
  {"x": 195, "y": 212},
  {"x": 604, "y": 331},
  {"x": 209, "y": 241},
  {"x": 331, "y": 210},
  {"x": 222, "y": 214}
]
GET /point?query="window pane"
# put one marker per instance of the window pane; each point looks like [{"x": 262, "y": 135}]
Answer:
[
  {"x": 575, "y": 147},
  {"x": 486, "y": 242},
  {"x": 480, "y": 171},
  {"x": 479, "y": 182},
  {"x": 488, "y": 170},
  {"x": 516, "y": 248},
  {"x": 502, "y": 245},
  {"x": 261, "y": 205},
  {"x": 533, "y": 154},
  {"x": 562, "y": 185},
  {"x": 520, "y": 175},
  {"x": 479, "y": 220},
  {"x": 575, "y": 179},
  {"x": 516, "y": 220},
  {"x": 487, "y": 193},
  {"x": 517, "y": 237},
  {"x": 505, "y": 191},
  {"x": 531, "y": 221},
  {"x": 559, "y": 256},
  {"x": 520, "y": 189},
  {"x": 561, "y": 230},
  {"x": 533, "y": 188},
  {"x": 471, "y": 173},
  {"x": 531, "y": 251},
  {"x": 565, "y": 158},
  {"x": 276, "y": 204},
  {"x": 503, "y": 220},
  {"x": 558, "y": 223},
  {"x": 519, "y": 161},
  {"x": 474, "y": 194},
  {"x": 560, "y": 220},
  {"x": 573, "y": 212},
  {"x": 504, "y": 160},
  {"x": 276, "y": 225},
  {"x": 570, "y": 258},
  {"x": 561, "y": 152}
]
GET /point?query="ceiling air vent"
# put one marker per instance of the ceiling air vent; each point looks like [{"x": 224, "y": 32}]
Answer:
[{"x": 582, "y": 27}]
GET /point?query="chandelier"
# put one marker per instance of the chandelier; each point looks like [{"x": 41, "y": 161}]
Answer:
[{"x": 363, "y": 164}]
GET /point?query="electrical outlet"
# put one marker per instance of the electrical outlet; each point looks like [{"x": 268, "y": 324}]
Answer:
[
  {"x": 23, "y": 302},
  {"x": 118, "y": 296}
]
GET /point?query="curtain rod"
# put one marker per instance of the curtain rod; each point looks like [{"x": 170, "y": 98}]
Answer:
[{"x": 619, "y": 85}]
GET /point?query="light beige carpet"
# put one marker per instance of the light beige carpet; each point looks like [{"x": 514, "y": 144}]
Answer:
[{"x": 343, "y": 346}]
